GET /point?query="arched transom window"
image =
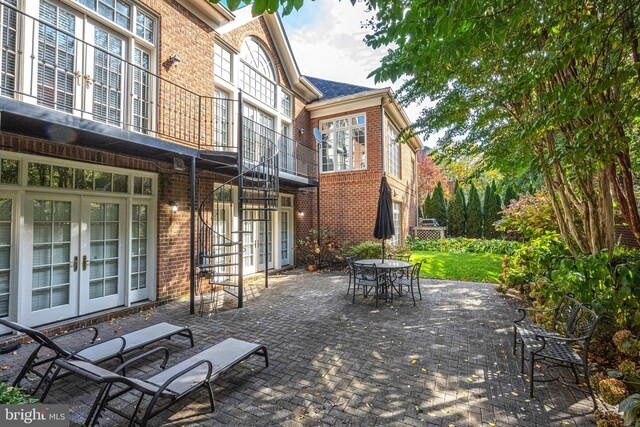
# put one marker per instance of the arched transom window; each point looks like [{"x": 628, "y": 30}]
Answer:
[{"x": 257, "y": 76}]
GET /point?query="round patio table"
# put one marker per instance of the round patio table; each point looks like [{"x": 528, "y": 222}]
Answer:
[{"x": 387, "y": 266}]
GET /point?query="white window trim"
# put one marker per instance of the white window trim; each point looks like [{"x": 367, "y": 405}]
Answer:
[
  {"x": 390, "y": 128},
  {"x": 19, "y": 191},
  {"x": 366, "y": 144}
]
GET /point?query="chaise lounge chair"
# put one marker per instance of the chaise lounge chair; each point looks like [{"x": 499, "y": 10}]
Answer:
[
  {"x": 172, "y": 384},
  {"x": 94, "y": 353}
]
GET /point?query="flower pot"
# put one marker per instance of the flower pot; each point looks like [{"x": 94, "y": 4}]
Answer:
[{"x": 311, "y": 267}]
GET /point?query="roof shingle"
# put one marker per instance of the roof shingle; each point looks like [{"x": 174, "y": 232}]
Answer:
[{"x": 331, "y": 89}]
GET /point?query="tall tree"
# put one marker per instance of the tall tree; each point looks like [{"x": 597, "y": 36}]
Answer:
[
  {"x": 427, "y": 206},
  {"x": 440, "y": 205},
  {"x": 491, "y": 207},
  {"x": 474, "y": 214},
  {"x": 457, "y": 221},
  {"x": 509, "y": 195},
  {"x": 428, "y": 174}
]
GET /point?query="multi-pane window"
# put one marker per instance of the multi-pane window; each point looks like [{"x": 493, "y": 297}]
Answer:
[
  {"x": 50, "y": 278},
  {"x": 393, "y": 151},
  {"x": 9, "y": 171},
  {"x": 119, "y": 12},
  {"x": 222, "y": 63},
  {"x": 285, "y": 149},
  {"x": 257, "y": 76},
  {"x": 395, "y": 240},
  {"x": 8, "y": 48},
  {"x": 56, "y": 57},
  {"x": 141, "y": 90},
  {"x": 285, "y": 104},
  {"x": 145, "y": 26},
  {"x": 284, "y": 235},
  {"x": 104, "y": 249},
  {"x": 344, "y": 144},
  {"x": 5, "y": 255},
  {"x": 107, "y": 77},
  {"x": 54, "y": 176},
  {"x": 139, "y": 236},
  {"x": 221, "y": 119}
]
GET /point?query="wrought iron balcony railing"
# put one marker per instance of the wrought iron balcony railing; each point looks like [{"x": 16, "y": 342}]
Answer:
[{"x": 43, "y": 62}]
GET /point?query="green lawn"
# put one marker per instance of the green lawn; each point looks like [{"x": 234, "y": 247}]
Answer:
[{"x": 470, "y": 267}]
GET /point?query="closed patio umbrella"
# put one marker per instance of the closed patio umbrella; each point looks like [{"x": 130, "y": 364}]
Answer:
[{"x": 384, "y": 216}]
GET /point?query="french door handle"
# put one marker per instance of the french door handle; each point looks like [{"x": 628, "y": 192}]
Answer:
[
  {"x": 84, "y": 263},
  {"x": 87, "y": 80},
  {"x": 75, "y": 263},
  {"x": 79, "y": 76}
]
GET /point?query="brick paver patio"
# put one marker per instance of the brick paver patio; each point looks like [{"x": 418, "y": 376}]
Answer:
[{"x": 445, "y": 362}]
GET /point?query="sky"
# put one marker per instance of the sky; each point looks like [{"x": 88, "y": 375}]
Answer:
[{"x": 326, "y": 37}]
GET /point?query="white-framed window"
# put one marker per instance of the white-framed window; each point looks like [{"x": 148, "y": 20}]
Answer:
[
  {"x": 120, "y": 12},
  {"x": 222, "y": 61},
  {"x": 257, "y": 74},
  {"x": 344, "y": 145},
  {"x": 285, "y": 149},
  {"x": 396, "y": 207},
  {"x": 6, "y": 241},
  {"x": 93, "y": 59},
  {"x": 393, "y": 151},
  {"x": 285, "y": 103},
  {"x": 221, "y": 118}
]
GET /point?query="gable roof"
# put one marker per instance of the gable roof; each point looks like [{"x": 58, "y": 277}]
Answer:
[{"x": 331, "y": 89}]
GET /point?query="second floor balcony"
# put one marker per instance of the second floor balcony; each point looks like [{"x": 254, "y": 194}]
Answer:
[{"x": 52, "y": 58}]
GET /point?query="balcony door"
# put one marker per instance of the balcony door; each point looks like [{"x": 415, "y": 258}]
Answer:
[
  {"x": 75, "y": 65},
  {"x": 74, "y": 256}
]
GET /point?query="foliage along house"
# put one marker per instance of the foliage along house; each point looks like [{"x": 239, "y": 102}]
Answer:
[{"x": 150, "y": 147}]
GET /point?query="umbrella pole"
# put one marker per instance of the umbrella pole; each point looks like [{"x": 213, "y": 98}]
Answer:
[{"x": 382, "y": 250}]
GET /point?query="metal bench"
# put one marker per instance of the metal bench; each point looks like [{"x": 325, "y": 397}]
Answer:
[
  {"x": 171, "y": 385},
  {"x": 565, "y": 344}
]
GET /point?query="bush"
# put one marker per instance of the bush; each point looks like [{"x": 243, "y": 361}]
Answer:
[
  {"x": 529, "y": 217},
  {"x": 462, "y": 244},
  {"x": 13, "y": 395},
  {"x": 366, "y": 250},
  {"x": 612, "y": 390},
  {"x": 330, "y": 250}
]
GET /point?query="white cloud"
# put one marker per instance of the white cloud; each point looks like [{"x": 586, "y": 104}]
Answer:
[{"x": 327, "y": 39}]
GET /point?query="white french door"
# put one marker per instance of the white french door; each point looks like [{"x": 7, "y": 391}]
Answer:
[
  {"x": 74, "y": 256},
  {"x": 261, "y": 244},
  {"x": 50, "y": 265},
  {"x": 102, "y": 255},
  {"x": 285, "y": 237}
]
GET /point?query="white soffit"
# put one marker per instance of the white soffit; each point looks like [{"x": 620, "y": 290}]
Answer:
[{"x": 214, "y": 15}]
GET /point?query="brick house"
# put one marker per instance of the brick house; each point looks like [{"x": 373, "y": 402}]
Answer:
[{"x": 152, "y": 147}]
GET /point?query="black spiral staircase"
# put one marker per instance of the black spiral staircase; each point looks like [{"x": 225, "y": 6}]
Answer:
[{"x": 221, "y": 250}]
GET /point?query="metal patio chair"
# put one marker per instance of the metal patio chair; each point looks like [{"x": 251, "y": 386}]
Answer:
[
  {"x": 171, "y": 385},
  {"x": 95, "y": 352},
  {"x": 408, "y": 281}
]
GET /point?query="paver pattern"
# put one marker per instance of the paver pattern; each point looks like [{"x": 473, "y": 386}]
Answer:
[{"x": 445, "y": 362}]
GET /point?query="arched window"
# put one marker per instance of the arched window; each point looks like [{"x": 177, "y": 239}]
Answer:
[{"x": 257, "y": 75}]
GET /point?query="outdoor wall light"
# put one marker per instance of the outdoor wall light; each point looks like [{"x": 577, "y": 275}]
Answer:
[
  {"x": 301, "y": 131},
  {"x": 301, "y": 214},
  {"x": 174, "y": 206},
  {"x": 174, "y": 59}
]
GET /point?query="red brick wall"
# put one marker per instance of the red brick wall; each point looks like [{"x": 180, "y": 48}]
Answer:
[{"x": 349, "y": 199}]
